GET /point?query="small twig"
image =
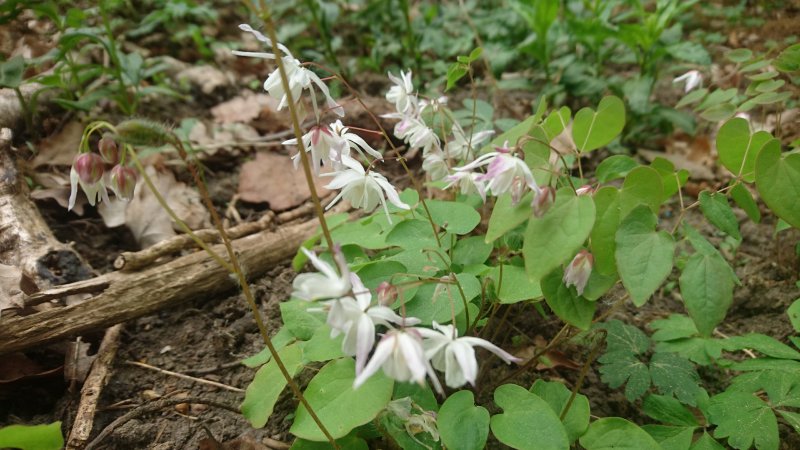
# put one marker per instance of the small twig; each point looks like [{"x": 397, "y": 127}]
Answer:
[
  {"x": 746, "y": 351},
  {"x": 152, "y": 407},
  {"x": 185, "y": 377},
  {"x": 275, "y": 444},
  {"x": 205, "y": 370}
]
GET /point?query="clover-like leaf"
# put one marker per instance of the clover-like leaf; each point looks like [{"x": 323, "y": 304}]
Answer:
[
  {"x": 594, "y": 129},
  {"x": 463, "y": 425},
  {"x": 527, "y": 422}
]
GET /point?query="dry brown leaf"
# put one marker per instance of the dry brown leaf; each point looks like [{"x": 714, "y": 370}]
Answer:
[
  {"x": 59, "y": 149},
  {"x": 243, "y": 108},
  {"x": 17, "y": 366},
  {"x": 271, "y": 178},
  {"x": 207, "y": 78},
  {"x": 145, "y": 217}
]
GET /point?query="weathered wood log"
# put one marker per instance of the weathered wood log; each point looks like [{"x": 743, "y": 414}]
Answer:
[{"x": 129, "y": 295}]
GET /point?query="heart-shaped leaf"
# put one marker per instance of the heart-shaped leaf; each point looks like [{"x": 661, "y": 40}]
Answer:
[
  {"x": 738, "y": 148},
  {"x": 592, "y": 130},
  {"x": 778, "y": 182}
]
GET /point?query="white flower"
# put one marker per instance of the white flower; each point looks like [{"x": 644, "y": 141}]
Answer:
[
  {"x": 402, "y": 358},
  {"x": 87, "y": 171},
  {"x": 578, "y": 271},
  {"x": 357, "y": 318},
  {"x": 324, "y": 285},
  {"x": 299, "y": 78},
  {"x": 460, "y": 146},
  {"x": 353, "y": 141},
  {"x": 436, "y": 166},
  {"x": 505, "y": 173},
  {"x": 401, "y": 94},
  {"x": 693, "y": 79},
  {"x": 468, "y": 183},
  {"x": 434, "y": 103},
  {"x": 455, "y": 355},
  {"x": 363, "y": 189},
  {"x": 321, "y": 142}
]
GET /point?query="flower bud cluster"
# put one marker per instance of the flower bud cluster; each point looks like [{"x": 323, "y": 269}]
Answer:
[{"x": 90, "y": 172}]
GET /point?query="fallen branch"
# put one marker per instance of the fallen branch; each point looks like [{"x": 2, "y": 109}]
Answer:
[{"x": 132, "y": 295}]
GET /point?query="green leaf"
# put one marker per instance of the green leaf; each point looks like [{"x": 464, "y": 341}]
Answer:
[
  {"x": 11, "y": 72},
  {"x": 471, "y": 250},
  {"x": 717, "y": 210},
  {"x": 507, "y": 216},
  {"x": 592, "y": 130},
  {"x": 792, "y": 418},
  {"x": 739, "y": 55},
  {"x": 720, "y": 97},
  {"x": 702, "y": 351},
  {"x": 644, "y": 256},
  {"x": 605, "y": 227},
  {"x": 738, "y": 148},
  {"x": 512, "y": 136},
  {"x": 614, "y": 167},
  {"x": 668, "y": 410},
  {"x": 707, "y": 284},
  {"x": 718, "y": 113},
  {"x": 675, "y": 375},
  {"x": 515, "y": 286},
  {"x": 566, "y": 303},
  {"x": 676, "y": 326},
  {"x": 618, "y": 434},
  {"x": 557, "y": 396},
  {"x": 527, "y": 422},
  {"x": 463, "y": 425},
  {"x": 744, "y": 419},
  {"x": 374, "y": 273},
  {"x": 281, "y": 339},
  {"x": 642, "y": 186},
  {"x": 556, "y": 122},
  {"x": 301, "y": 323},
  {"x": 455, "y": 217},
  {"x": 692, "y": 97},
  {"x": 625, "y": 338},
  {"x": 349, "y": 442},
  {"x": 553, "y": 238},
  {"x": 322, "y": 347},
  {"x": 789, "y": 59},
  {"x": 428, "y": 305},
  {"x": 671, "y": 180},
  {"x": 537, "y": 156},
  {"x": 794, "y": 314},
  {"x": 412, "y": 233},
  {"x": 706, "y": 442},
  {"x": 670, "y": 437},
  {"x": 619, "y": 369},
  {"x": 263, "y": 391},
  {"x": 365, "y": 232},
  {"x": 340, "y": 407},
  {"x": 766, "y": 345},
  {"x": 778, "y": 182},
  {"x": 32, "y": 437},
  {"x": 744, "y": 199}
]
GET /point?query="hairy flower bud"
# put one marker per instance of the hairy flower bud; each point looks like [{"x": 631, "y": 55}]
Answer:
[
  {"x": 89, "y": 167},
  {"x": 108, "y": 149},
  {"x": 123, "y": 181},
  {"x": 578, "y": 271},
  {"x": 543, "y": 200},
  {"x": 585, "y": 190},
  {"x": 144, "y": 132},
  {"x": 387, "y": 293}
]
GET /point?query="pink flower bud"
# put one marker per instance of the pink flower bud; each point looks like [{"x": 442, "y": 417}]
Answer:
[
  {"x": 123, "y": 181},
  {"x": 108, "y": 149},
  {"x": 89, "y": 167},
  {"x": 543, "y": 200},
  {"x": 578, "y": 271},
  {"x": 585, "y": 190},
  {"x": 387, "y": 293}
]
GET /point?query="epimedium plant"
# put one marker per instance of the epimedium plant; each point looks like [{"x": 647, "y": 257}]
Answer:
[{"x": 408, "y": 291}]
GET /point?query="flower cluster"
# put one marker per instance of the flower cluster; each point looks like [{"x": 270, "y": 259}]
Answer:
[
  {"x": 405, "y": 352},
  {"x": 89, "y": 171}
]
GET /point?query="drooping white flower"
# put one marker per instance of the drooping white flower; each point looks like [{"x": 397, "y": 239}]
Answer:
[
  {"x": 402, "y": 357},
  {"x": 435, "y": 165},
  {"x": 326, "y": 284},
  {"x": 455, "y": 356},
  {"x": 321, "y": 143},
  {"x": 693, "y": 79},
  {"x": 357, "y": 319},
  {"x": 418, "y": 135},
  {"x": 299, "y": 78},
  {"x": 87, "y": 171},
  {"x": 460, "y": 146},
  {"x": 402, "y": 93},
  {"x": 506, "y": 173},
  {"x": 578, "y": 271},
  {"x": 353, "y": 141},
  {"x": 468, "y": 183},
  {"x": 363, "y": 189},
  {"x": 434, "y": 103}
]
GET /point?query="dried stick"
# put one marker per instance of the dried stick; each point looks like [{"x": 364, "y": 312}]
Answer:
[
  {"x": 185, "y": 377},
  {"x": 90, "y": 393}
]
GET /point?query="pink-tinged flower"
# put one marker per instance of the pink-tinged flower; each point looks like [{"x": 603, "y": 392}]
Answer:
[
  {"x": 434, "y": 103},
  {"x": 506, "y": 173},
  {"x": 543, "y": 199},
  {"x": 321, "y": 143},
  {"x": 402, "y": 93},
  {"x": 402, "y": 358},
  {"x": 387, "y": 293},
  {"x": 353, "y": 141},
  {"x": 693, "y": 79},
  {"x": 578, "y": 271},
  {"x": 123, "y": 181},
  {"x": 468, "y": 183},
  {"x": 108, "y": 150},
  {"x": 325, "y": 285},
  {"x": 455, "y": 356},
  {"x": 357, "y": 319},
  {"x": 585, "y": 190},
  {"x": 87, "y": 170},
  {"x": 460, "y": 146},
  {"x": 363, "y": 189},
  {"x": 299, "y": 78}
]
